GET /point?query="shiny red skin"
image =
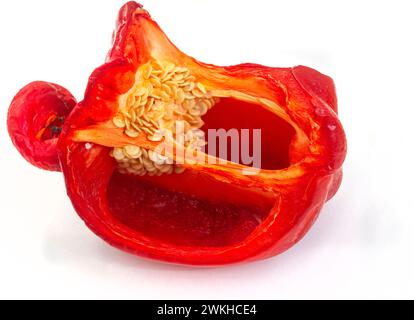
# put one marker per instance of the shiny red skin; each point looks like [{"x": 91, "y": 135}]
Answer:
[
  {"x": 29, "y": 111},
  {"x": 307, "y": 96}
]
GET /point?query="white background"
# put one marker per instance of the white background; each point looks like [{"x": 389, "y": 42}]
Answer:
[{"x": 362, "y": 244}]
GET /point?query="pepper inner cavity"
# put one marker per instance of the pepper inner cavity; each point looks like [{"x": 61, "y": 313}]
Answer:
[
  {"x": 165, "y": 98},
  {"x": 52, "y": 128}
]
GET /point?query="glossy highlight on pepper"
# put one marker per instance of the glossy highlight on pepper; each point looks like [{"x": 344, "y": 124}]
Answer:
[{"x": 153, "y": 204}]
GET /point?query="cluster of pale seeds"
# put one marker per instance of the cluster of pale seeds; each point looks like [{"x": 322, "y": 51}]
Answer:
[{"x": 163, "y": 95}]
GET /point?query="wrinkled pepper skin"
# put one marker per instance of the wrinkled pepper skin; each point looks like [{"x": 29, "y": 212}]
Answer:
[{"x": 306, "y": 96}]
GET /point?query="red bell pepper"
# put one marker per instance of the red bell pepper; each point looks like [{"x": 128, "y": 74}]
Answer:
[
  {"x": 35, "y": 119},
  {"x": 211, "y": 213}
]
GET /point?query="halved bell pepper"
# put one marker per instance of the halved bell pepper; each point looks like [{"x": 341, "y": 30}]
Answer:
[{"x": 154, "y": 203}]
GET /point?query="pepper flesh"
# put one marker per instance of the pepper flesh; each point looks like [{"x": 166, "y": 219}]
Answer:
[
  {"x": 35, "y": 119},
  {"x": 269, "y": 212}
]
